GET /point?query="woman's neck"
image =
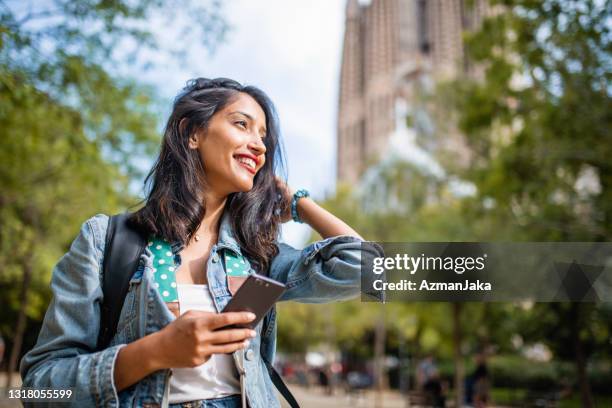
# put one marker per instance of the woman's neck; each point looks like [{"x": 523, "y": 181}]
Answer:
[{"x": 214, "y": 210}]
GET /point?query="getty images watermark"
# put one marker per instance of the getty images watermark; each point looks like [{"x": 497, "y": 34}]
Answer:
[{"x": 496, "y": 272}]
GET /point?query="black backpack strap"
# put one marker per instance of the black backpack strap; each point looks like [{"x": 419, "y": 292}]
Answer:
[
  {"x": 276, "y": 378},
  {"x": 124, "y": 245},
  {"x": 280, "y": 385}
]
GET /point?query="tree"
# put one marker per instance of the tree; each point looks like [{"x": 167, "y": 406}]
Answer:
[
  {"x": 538, "y": 127},
  {"x": 426, "y": 211},
  {"x": 71, "y": 124}
]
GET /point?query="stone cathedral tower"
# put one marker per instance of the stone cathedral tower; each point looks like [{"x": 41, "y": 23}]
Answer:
[{"x": 388, "y": 44}]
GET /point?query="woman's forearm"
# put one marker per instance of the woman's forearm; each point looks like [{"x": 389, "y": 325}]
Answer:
[
  {"x": 322, "y": 221},
  {"x": 136, "y": 360}
]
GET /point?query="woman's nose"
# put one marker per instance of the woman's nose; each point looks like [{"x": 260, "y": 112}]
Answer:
[{"x": 258, "y": 147}]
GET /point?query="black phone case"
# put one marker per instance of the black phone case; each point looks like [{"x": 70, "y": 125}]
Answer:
[{"x": 256, "y": 295}]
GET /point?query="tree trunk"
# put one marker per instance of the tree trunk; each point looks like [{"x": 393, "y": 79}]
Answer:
[
  {"x": 579, "y": 357},
  {"x": 331, "y": 335},
  {"x": 459, "y": 369},
  {"x": 379, "y": 356},
  {"x": 404, "y": 373},
  {"x": 21, "y": 320}
]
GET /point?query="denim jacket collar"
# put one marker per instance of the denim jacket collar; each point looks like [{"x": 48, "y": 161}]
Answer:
[{"x": 226, "y": 233}]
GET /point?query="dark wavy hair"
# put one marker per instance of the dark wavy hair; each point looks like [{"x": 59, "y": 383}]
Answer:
[{"x": 174, "y": 205}]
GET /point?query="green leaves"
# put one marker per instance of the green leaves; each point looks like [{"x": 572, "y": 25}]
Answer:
[
  {"x": 73, "y": 131},
  {"x": 537, "y": 123}
]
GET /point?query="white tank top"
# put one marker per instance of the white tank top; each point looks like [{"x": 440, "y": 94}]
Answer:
[{"x": 217, "y": 377}]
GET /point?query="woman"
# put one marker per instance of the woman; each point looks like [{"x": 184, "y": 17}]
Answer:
[{"x": 212, "y": 216}]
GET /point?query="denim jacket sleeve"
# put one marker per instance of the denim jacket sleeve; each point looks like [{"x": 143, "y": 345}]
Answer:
[
  {"x": 326, "y": 270},
  {"x": 65, "y": 353}
]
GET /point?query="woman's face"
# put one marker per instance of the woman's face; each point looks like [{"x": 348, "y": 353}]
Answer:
[{"x": 232, "y": 148}]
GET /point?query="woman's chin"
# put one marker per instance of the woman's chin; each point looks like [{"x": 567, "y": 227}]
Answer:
[
  {"x": 244, "y": 186},
  {"x": 242, "y": 180}
]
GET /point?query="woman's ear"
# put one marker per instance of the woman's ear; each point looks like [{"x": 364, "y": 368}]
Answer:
[
  {"x": 193, "y": 141},
  {"x": 193, "y": 138}
]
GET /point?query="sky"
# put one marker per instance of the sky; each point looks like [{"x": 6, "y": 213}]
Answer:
[
  {"x": 292, "y": 51},
  {"x": 288, "y": 48}
]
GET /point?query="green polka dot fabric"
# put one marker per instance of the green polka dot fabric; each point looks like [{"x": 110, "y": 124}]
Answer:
[
  {"x": 164, "y": 269},
  {"x": 235, "y": 265}
]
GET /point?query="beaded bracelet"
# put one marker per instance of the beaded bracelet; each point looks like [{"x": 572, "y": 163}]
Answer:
[{"x": 298, "y": 194}]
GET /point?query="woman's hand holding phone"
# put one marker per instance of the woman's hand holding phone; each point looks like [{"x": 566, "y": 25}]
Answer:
[{"x": 193, "y": 337}]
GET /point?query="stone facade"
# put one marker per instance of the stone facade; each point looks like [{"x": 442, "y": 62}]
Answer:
[{"x": 388, "y": 46}]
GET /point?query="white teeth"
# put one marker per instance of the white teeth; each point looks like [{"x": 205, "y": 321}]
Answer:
[{"x": 249, "y": 162}]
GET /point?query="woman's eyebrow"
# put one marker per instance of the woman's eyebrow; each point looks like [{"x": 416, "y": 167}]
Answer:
[{"x": 263, "y": 129}]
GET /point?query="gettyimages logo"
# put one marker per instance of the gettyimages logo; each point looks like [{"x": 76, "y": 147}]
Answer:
[
  {"x": 412, "y": 264},
  {"x": 489, "y": 272}
]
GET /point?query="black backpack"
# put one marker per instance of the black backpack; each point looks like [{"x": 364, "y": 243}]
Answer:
[{"x": 124, "y": 245}]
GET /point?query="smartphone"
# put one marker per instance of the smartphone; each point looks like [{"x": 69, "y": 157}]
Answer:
[{"x": 256, "y": 295}]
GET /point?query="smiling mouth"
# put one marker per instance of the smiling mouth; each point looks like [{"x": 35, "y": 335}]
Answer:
[{"x": 247, "y": 163}]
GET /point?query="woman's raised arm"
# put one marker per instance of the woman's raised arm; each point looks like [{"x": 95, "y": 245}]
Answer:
[{"x": 321, "y": 220}]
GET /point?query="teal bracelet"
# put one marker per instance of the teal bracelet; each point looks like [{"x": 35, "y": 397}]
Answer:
[{"x": 298, "y": 194}]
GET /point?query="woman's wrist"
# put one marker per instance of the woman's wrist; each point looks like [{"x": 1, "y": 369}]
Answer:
[
  {"x": 302, "y": 209},
  {"x": 137, "y": 360},
  {"x": 296, "y": 197},
  {"x": 154, "y": 347}
]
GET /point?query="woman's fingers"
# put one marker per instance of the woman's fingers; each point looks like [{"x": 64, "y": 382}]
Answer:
[
  {"x": 230, "y": 336},
  {"x": 229, "y": 318},
  {"x": 227, "y": 348}
]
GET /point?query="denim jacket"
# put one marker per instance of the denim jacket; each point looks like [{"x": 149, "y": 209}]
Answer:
[{"x": 65, "y": 353}]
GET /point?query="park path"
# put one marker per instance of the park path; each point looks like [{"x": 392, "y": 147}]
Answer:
[{"x": 313, "y": 397}]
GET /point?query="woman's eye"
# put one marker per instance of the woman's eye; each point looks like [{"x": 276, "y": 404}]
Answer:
[{"x": 242, "y": 123}]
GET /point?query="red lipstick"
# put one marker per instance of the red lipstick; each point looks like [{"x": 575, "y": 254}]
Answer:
[{"x": 246, "y": 166}]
